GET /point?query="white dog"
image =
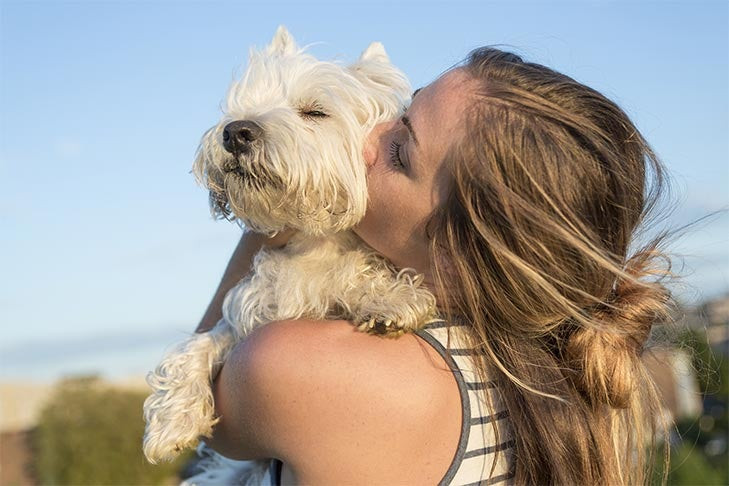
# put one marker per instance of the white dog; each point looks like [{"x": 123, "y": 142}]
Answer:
[{"x": 288, "y": 154}]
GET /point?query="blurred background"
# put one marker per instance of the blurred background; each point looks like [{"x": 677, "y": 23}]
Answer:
[{"x": 108, "y": 250}]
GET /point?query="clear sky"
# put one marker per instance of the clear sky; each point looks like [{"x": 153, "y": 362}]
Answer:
[{"x": 108, "y": 252}]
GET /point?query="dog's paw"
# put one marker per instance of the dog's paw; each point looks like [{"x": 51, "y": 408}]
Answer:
[
  {"x": 166, "y": 438},
  {"x": 381, "y": 326}
]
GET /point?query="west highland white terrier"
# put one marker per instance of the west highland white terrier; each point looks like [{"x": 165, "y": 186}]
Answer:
[{"x": 287, "y": 153}]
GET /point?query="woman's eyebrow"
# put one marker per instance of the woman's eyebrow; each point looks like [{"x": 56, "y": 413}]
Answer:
[{"x": 406, "y": 121}]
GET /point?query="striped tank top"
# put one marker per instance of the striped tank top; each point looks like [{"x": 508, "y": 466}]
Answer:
[{"x": 485, "y": 448}]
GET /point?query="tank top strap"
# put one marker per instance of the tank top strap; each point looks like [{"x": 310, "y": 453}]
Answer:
[{"x": 485, "y": 449}]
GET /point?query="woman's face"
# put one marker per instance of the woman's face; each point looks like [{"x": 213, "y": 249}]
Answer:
[{"x": 406, "y": 172}]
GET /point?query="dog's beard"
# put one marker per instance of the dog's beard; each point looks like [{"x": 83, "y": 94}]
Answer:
[
  {"x": 266, "y": 207},
  {"x": 237, "y": 182}
]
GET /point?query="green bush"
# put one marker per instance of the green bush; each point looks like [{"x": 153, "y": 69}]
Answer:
[
  {"x": 689, "y": 467},
  {"x": 693, "y": 461},
  {"x": 90, "y": 433}
]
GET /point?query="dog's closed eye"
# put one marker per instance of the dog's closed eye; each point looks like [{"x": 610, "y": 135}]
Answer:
[{"x": 312, "y": 112}]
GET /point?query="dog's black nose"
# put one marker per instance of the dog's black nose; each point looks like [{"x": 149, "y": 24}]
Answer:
[{"x": 238, "y": 135}]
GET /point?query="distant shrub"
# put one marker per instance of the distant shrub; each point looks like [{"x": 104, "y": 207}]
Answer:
[
  {"x": 699, "y": 453},
  {"x": 90, "y": 433},
  {"x": 689, "y": 467}
]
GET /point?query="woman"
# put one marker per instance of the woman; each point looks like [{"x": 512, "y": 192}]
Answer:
[{"x": 517, "y": 192}]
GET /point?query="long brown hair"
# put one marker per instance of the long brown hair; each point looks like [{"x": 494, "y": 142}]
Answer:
[{"x": 551, "y": 185}]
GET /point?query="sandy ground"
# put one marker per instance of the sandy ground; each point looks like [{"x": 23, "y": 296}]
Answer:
[{"x": 21, "y": 402}]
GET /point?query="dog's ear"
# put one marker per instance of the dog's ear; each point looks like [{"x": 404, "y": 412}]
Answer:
[
  {"x": 282, "y": 42},
  {"x": 372, "y": 63},
  {"x": 374, "y": 52},
  {"x": 376, "y": 71},
  {"x": 385, "y": 84}
]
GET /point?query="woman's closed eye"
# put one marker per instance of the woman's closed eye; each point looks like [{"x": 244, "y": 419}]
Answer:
[{"x": 396, "y": 158}]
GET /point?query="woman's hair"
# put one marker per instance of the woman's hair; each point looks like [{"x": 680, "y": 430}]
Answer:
[{"x": 551, "y": 184}]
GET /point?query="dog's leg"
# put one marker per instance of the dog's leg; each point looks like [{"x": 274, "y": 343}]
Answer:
[
  {"x": 300, "y": 281},
  {"x": 388, "y": 303},
  {"x": 360, "y": 285},
  {"x": 180, "y": 409},
  {"x": 336, "y": 277}
]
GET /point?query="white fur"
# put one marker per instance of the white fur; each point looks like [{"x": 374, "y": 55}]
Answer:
[{"x": 303, "y": 173}]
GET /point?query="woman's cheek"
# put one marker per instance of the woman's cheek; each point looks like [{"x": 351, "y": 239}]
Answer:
[{"x": 379, "y": 227}]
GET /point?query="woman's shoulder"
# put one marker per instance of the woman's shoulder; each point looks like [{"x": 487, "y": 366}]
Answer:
[
  {"x": 333, "y": 350},
  {"x": 336, "y": 357},
  {"x": 338, "y": 394},
  {"x": 319, "y": 340}
]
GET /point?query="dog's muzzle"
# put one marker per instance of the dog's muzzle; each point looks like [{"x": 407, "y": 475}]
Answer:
[{"x": 238, "y": 136}]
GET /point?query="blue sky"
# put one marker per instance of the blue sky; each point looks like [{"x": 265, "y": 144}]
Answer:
[{"x": 106, "y": 239}]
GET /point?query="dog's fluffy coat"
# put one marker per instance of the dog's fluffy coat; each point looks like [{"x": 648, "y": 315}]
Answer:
[{"x": 306, "y": 172}]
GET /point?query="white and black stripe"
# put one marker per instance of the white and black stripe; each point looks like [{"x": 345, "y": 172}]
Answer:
[{"x": 478, "y": 447}]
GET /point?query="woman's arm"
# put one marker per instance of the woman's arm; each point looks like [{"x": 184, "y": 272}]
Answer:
[{"x": 238, "y": 267}]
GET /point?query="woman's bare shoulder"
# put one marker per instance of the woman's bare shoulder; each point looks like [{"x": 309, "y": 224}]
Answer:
[
  {"x": 304, "y": 350},
  {"x": 337, "y": 398}
]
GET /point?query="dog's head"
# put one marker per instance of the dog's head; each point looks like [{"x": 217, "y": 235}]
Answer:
[{"x": 288, "y": 149}]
